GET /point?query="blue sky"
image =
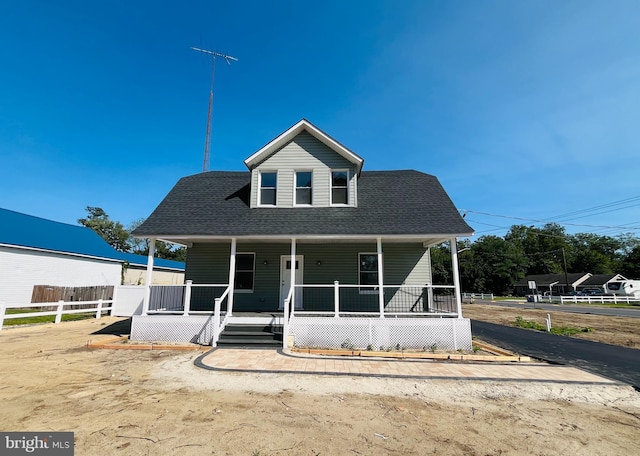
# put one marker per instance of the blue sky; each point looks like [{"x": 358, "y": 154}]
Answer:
[{"x": 522, "y": 109}]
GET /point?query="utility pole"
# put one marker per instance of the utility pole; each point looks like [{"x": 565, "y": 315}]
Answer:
[
  {"x": 207, "y": 140},
  {"x": 564, "y": 260}
]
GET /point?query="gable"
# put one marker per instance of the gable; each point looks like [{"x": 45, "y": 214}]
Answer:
[
  {"x": 286, "y": 137},
  {"x": 303, "y": 153}
]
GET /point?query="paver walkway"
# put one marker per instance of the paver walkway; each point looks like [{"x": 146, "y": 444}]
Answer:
[{"x": 275, "y": 361}]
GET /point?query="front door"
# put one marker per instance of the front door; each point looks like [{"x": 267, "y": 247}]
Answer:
[{"x": 285, "y": 279}]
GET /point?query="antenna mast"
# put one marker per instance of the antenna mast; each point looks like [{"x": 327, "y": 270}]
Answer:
[{"x": 207, "y": 141}]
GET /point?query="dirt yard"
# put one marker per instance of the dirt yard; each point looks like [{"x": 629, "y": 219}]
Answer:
[
  {"x": 609, "y": 330},
  {"x": 159, "y": 403}
]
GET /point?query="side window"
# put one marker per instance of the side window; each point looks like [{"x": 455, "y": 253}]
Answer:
[
  {"x": 268, "y": 189},
  {"x": 339, "y": 187},
  {"x": 303, "y": 187},
  {"x": 368, "y": 271},
  {"x": 245, "y": 271}
]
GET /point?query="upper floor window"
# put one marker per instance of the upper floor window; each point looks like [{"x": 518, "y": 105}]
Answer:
[
  {"x": 339, "y": 187},
  {"x": 303, "y": 187},
  {"x": 268, "y": 186}
]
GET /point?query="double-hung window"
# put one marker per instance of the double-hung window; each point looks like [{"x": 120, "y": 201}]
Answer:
[
  {"x": 245, "y": 272},
  {"x": 339, "y": 187},
  {"x": 368, "y": 272},
  {"x": 303, "y": 187},
  {"x": 268, "y": 188}
]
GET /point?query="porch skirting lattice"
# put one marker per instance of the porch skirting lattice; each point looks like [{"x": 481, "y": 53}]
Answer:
[
  {"x": 382, "y": 333},
  {"x": 173, "y": 328}
]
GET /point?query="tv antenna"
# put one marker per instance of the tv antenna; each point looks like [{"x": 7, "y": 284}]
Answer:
[{"x": 207, "y": 141}]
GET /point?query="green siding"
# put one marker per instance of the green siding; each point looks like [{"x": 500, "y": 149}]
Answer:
[
  {"x": 304, "y": 153},
  {"x": 209, "y": 263}
]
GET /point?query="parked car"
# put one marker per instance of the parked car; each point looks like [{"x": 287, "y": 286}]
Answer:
[{"x": 592, "y": 292}]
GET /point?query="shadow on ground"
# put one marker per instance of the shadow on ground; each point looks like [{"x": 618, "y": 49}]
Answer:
[{"x": 119, "y": 328}]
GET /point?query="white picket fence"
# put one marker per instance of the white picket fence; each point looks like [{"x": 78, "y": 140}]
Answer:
[{"x": 101, "y": 305}]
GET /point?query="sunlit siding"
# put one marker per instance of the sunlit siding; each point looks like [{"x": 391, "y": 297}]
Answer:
[
  {"x": 21, "y": 269},
  {"x": 304, "y": 153}
]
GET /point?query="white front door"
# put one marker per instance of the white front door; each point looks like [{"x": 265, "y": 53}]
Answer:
[{"x": 285, "y": 279}]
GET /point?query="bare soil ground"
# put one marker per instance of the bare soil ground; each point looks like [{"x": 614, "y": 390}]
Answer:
[
  {"x": 159, "y": 403},
  {"x": 621, "y": 331}
]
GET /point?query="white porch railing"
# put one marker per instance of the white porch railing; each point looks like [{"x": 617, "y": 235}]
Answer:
[
  {"x": 99, "y": 306},
  {"x": 187, "y": 299},
  {"x": 342, "y": 300},
  {"x": 219, "y": 323}
]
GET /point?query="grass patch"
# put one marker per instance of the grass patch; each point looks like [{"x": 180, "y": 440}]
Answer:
[
  {"x": 559, "y": 330},
  {"x": 42, "y": 318}
]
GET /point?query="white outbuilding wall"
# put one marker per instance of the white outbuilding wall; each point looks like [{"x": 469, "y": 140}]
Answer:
[{"x": 22, "y": 268}]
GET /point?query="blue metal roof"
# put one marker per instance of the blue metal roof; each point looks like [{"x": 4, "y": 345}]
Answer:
[{"x": 34, "y": 232}]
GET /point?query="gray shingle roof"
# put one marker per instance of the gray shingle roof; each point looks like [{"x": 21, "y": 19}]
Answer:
[{"x": 389, "y": 203}]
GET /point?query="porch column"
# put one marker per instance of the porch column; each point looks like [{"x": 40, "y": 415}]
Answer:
[
  {"x": 453, "y": 244},
  {"x": 293, "y": 273},
  {"x": 149, "y": 277},
  {"x": 232, "y": 276},
  {"x": 380, "y": 278}
]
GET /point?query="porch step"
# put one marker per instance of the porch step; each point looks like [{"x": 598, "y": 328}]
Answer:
[{"x": 243, "y": 335}]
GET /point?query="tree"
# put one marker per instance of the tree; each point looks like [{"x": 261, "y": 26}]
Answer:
[
  {"x": 631, "y": 264},
  {"x": 113, "y": 232},
  {"x": 168, "y": 251}
]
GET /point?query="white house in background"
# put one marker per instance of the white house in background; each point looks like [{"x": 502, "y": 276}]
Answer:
[{"x": 36, "y": 251}]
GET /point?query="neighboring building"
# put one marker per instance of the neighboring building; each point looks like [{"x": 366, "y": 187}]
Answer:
[
  {"x": 305, "y": 217},
  {"x": 555, "y": 284},
  {"x": 598, "y": 281},
  {"x": 35, "y": 251}
]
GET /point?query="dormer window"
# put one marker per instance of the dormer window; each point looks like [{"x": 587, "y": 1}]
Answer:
[
  {"x": 303, "y": 188},
  {"x": 268, "y": 187},
  {"x": 339, "y": 187}
]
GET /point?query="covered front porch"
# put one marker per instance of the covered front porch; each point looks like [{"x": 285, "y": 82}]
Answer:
[{"x": 354, "y": 292}]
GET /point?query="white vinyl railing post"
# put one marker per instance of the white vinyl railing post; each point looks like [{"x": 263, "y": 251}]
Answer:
[
  {"x": 99, "y": 309},
  {"x": 59, "y": 314},
  {"x": 187, "y": 297},
  {"x": 216, "y": 322},
  {"x": 336, "y": 298}
]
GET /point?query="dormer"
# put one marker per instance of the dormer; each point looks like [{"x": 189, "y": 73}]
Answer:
[{"x": 304, "y": 167}]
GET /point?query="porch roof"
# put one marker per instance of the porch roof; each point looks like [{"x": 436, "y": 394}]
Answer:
[{"x": 394, "y": 204}]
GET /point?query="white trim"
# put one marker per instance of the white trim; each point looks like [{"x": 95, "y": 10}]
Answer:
[
  {"x": 295, "y": 187},
  {"x": 303, "y": 125},
  {"x": 259, "y": 195},
  {"x": 348, "y": 187},
  {"x": 360, "y": 285},
  {"x": 60, "y": 252},
  {"x": 438, "y": 238},
  {"x": 246, "y": 291}
]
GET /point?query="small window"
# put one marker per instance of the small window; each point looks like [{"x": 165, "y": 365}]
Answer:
[
  {"x": 368, "y": 272},
  {"x": 245, "y": 271},
  {"x": 339, "y": 187},
  {"x": 303, "y": 187},
  {"x": 268, "y": 186}
]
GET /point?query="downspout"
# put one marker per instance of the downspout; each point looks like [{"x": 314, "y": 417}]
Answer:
[
  {"x": 149, "y": 276},
  {"x": 453, "y": 245}
]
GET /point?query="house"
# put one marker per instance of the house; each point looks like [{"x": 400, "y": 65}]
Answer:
[
  {"x": 598, "y": 282},
  {"x": 555, "y": 284},
  {"x": 306, "y": 239},
  {"x": 35, "y": 251}
]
